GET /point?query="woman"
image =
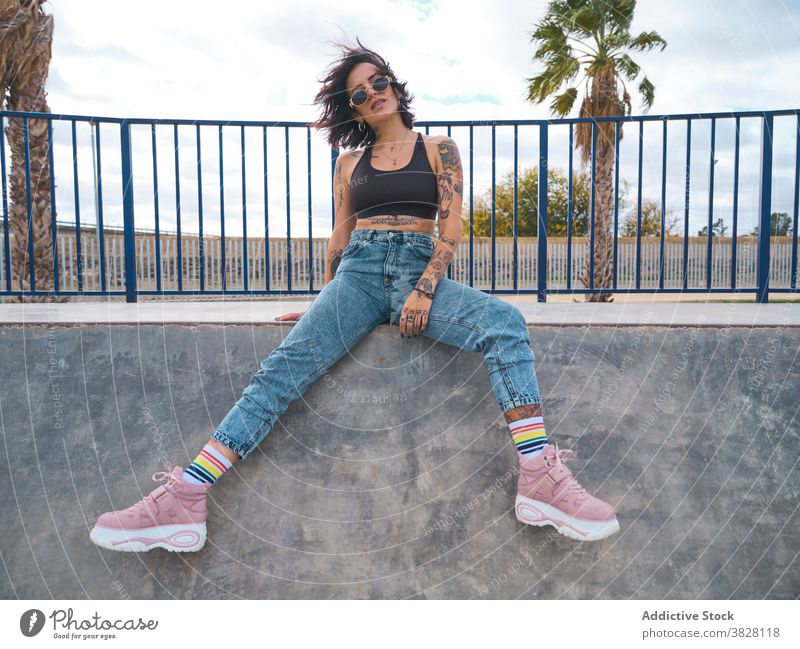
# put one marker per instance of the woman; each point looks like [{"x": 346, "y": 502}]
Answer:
[{"x": 383, "y": 265}]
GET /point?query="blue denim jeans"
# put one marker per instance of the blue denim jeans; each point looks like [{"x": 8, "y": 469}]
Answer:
[{"x": 377, "y": 271}]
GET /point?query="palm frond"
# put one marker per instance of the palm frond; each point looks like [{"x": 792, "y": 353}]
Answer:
[
  {"x": 562, "y": 104},
  {"x": 586, "y": 21},
  {"x": 647, "y": 41},
  {"x": 589, "y": 51},
  {"x": 648, "y": 91},
  {"x": 619, "y": 14},
  {"x": 540, "y": 86},
  {"x": 628, "y": 66},
  {"x": 550, "y": 36},
  {"x": 560, "y": 71},
  {"x": 614, "y": 42},
  {"x": 570, "y": 67}
]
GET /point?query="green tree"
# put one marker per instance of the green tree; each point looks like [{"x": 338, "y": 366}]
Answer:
[
  {"x": 593, "y": 36},
  {"x": 780, "y": 225},
  {"x": 651, "y": 221},
  {"x": 717, "y": 230},
  {"x": 528, "y": 203}
]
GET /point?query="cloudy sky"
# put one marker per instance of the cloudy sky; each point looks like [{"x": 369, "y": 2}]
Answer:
[{"x": 463, "y": 60}]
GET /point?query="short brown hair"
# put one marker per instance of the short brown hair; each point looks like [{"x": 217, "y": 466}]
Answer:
[{"x": 337, "y": 116}]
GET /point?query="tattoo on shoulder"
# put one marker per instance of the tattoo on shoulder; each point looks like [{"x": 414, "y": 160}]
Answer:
[
  {"x": 449, "y": 181},
  {"x": 448, "y": 152}
]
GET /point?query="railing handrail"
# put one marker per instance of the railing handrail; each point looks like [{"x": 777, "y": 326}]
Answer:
[
  {"x": 465, "y": 122},
  {"x": 724, "y": 238}
]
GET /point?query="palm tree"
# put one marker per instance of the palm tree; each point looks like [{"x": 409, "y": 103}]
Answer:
[
  {"x": 593, "y": 34},
  {"x": 26, "y": 36}
]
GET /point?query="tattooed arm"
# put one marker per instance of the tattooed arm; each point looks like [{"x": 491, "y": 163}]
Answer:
[
  {"x": 344, "y": 216},
  {"x": 450, "y": 183}
]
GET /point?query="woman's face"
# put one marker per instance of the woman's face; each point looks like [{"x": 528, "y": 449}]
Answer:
[{"x": 361, "y": 76}]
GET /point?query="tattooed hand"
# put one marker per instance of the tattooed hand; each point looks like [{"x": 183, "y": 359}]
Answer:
[{"x": 414, "y": 316}]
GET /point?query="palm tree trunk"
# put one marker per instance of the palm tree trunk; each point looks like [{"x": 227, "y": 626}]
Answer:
[
  {"x": 26, "y": 62},
  {"x": 602, "y": 102},
  {"x": 604, "y": 236}
]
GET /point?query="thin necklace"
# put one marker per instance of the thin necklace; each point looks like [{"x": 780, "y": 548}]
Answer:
[{"x": 394, "y": 160}]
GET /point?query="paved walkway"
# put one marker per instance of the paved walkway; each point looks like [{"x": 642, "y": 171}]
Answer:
[{"x": 674, "y": 314}]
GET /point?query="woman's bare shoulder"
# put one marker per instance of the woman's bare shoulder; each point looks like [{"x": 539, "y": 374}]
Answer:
[
  {"x": 432, "y": 143},
  {"x": 349, "y": 160}
]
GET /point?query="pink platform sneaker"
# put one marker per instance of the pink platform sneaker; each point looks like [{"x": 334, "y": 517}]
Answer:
[
  {"x": 548, "y": 494},
  {"x": 172, "y": 516}
]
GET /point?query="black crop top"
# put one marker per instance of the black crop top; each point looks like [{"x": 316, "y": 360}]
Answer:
[{"x": 408, "y": 190}]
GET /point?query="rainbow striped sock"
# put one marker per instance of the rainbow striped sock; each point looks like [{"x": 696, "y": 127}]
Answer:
[
  {"x": 207, "y": 467},
  {"x": 528, "y": 434}
]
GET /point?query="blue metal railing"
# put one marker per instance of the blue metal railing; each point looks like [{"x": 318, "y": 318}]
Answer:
[{"x": 546, "y": 129}]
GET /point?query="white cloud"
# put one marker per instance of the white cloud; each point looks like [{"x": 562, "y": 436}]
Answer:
[
  {"x": 192, "y": 60},
  {"x": 463, "y": 60}
]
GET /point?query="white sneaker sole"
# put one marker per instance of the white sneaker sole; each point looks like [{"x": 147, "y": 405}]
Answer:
[
  {"x": 186, "y": 537},
  {"x": 535, "y": 512}
]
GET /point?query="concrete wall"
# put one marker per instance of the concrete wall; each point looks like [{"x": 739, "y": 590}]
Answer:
[{"x": 394, "y": 477}]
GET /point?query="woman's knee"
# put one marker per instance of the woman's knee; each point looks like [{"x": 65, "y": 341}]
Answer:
[
  {"x": 507, "y": 316},
  {"x": 522, "y": 323},
  {"x": 517, "y": 317},
  {"x": 509, "y": 327}
]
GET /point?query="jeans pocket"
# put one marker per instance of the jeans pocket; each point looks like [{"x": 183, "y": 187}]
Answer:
[
  {"x": 352, "y": 248},
  {"x": 422, "y": 248}
]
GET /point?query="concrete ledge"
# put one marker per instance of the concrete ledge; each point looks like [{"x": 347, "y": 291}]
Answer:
[
  {"x": 664, "y": 314},
  {"x": 395, "y": 475}
]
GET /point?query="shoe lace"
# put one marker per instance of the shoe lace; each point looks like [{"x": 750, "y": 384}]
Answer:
[
  {"x": 165, "y": 475},
  {"x": 166, "y": 479},
  {"x": 558, "y": 454},
  {"x": 555, "y": 458}
]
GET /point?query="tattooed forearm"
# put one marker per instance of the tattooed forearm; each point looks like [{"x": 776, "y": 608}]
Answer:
[
  {"x": 450, "y": 190},
  {"x": 437, "y": 266}
]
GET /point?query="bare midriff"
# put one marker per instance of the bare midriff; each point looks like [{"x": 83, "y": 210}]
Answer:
[{"x": 394, "y": 222}]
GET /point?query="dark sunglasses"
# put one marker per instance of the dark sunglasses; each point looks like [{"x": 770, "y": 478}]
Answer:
[{"x": 360, "y": 96}]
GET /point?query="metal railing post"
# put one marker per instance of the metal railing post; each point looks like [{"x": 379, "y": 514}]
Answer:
[
  {"x": 127, "y": 212},
  {"x": 334, "y": 157},
  {"x": 541, "y": 229},
  {"x": 764, "y": 210}
]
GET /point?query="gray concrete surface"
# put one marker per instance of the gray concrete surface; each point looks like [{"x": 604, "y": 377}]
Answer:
[
  {"x": 394, "y": 476},
  {"x": 258, "y": 312}
]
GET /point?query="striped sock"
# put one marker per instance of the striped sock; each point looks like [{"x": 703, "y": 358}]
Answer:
[
  {"x": 207, "y": 467},
  {"x": 528, "y": 434}
]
